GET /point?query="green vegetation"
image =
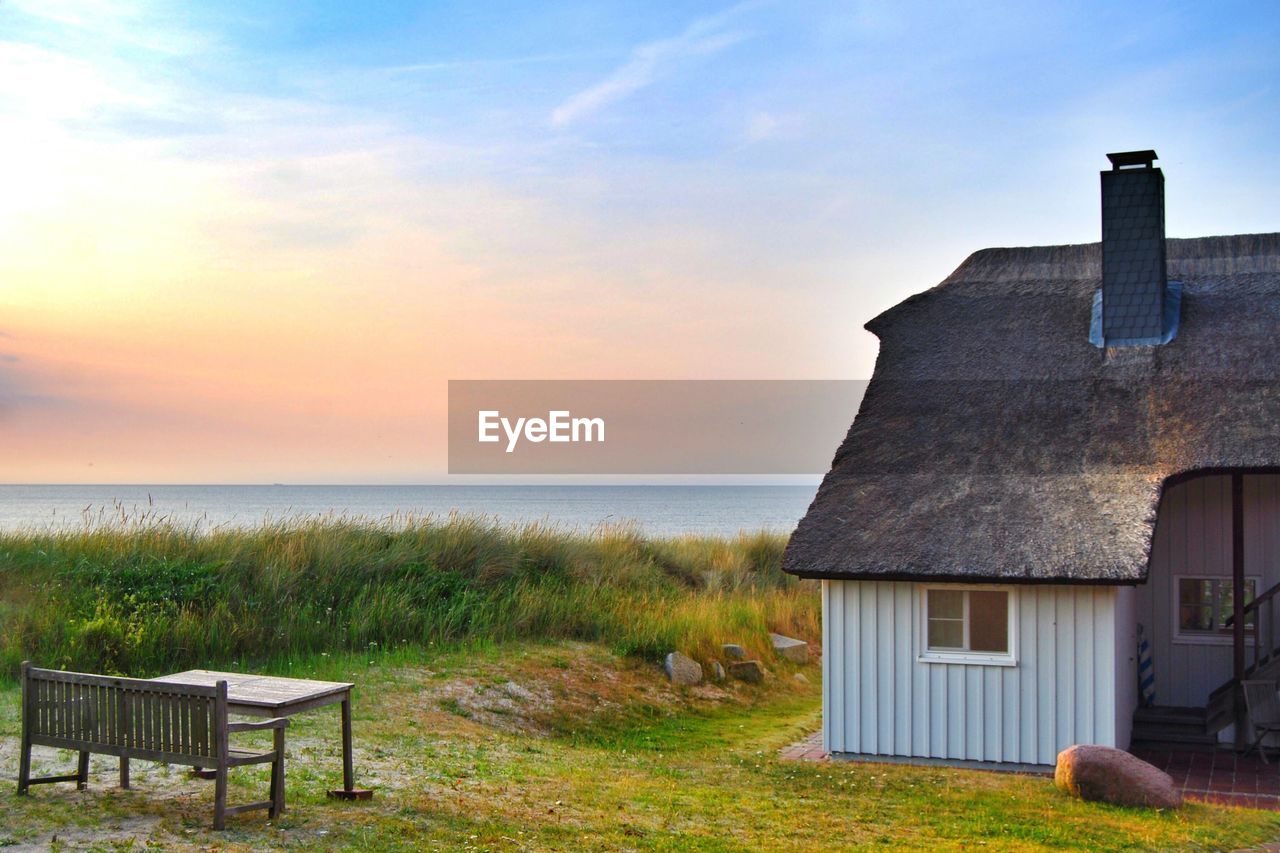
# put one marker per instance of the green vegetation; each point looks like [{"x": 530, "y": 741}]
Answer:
[
  {"x": 142, "y": 597},
  {"x": 508, "y": 748},
  {"x": 508, "y": 698}
]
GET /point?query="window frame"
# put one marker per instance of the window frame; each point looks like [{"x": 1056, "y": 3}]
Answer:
[
  {"x": 1203, "y": 638},
  {"x": 961, "y": 656}
]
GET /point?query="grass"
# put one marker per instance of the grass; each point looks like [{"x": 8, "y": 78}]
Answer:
[
  {"x": 141, "y": 596},
  {"x": 600, "y": 754},
  {"x": 508, "y": 697}
]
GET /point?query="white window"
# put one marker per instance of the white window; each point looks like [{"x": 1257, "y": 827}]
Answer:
[
  {"x": 968, "y": 625},
  {"x": 1203, "y": 606}
]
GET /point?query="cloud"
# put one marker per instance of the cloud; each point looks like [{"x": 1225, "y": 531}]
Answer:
[{"x": 649, "y": 62}]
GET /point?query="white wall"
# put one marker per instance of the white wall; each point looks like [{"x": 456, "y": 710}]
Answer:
[
  {"x": 1126, "y": 663},
  {"x": 879, "y": 699}
]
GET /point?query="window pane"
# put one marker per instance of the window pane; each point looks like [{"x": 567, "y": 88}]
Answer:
[
  {"x": 989, "y": 621},
  {"x": 1194, "y": 591},
  {"x": 1226, "y": 605},
  {"x": 946, "y": 604},
  {"x": 1194, "y": 618},
  {"x": 1196, "y": 604},
  {"x": 946, "y": 633}
]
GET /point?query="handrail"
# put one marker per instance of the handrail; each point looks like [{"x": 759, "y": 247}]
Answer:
[
  {"x": 1259, "y": 656},
  {"x": 1256, "y": 603}
]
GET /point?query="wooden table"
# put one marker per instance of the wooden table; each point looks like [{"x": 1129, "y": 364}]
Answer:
[{"x": 274, "y": 696}]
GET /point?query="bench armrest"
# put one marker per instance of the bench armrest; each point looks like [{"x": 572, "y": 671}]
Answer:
[{"x": 274, "y": 723}]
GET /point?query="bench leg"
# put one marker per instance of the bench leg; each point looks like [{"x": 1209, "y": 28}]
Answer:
[
  {"x": 124, "y": 773},
  {"x": 24, "y": 766},
  {"x": 220, "y": 798},
  {"x": 82, "y": 771}
]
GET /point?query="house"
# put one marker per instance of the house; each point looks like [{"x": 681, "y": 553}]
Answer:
[{"x": 1060, "y": 446}]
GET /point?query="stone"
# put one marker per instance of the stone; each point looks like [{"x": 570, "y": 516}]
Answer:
[
  {"x": 800, "y": 678},
  {"x": 750, "y": 671},
  {"x": 717, "y": 670},
  {"x": 789, "y": 648},
  {"x": 733, "y": 651},
  {"x": 1108, "y": 775},
  {"x": 682, "y": 670}
]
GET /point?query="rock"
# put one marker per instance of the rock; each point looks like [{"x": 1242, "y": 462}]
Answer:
[
  {"x": 717, "y": 670},
  {"x": 682, "y": 670},
  {"x": 800, "y": 679},
  {"x": 1107, "y": 775},
  {"x": 750, "y": 671},
  {"x": 733, "y": 651},
  {"x": 789, "y": 648}
]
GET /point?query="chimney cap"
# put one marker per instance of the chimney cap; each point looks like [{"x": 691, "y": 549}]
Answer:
[{"x": 1123, "y": 159}]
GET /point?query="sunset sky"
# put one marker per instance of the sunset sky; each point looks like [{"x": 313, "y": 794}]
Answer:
[{"x": 251, "y": 242}]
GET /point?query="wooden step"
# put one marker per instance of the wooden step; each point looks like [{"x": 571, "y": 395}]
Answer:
[
  {"x": 1168, "y": 715},
  {"x": 1172, "y": 734},
  {"x": 1172, "y": 727}
]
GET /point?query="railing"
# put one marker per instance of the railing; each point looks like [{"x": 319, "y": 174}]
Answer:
[{"x": 1263, "y": 652}]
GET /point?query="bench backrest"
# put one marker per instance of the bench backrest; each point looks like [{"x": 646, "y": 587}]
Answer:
[{"x": 155, "y": 720}]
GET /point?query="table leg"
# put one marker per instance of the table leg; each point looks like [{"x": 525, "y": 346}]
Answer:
[
  {"x": 348, "y": 775},
  {"x": 349, "y": 790}
]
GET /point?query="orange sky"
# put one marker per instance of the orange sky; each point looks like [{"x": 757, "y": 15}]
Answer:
[{"x": 247, "y": 242}]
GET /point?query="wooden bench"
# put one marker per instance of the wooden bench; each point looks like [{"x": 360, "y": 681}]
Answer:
[{"x": 149, "y": 720}]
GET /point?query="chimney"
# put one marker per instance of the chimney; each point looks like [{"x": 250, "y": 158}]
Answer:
[{"x": 1134, "y": 278}]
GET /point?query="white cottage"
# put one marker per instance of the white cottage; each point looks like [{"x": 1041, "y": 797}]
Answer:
[{"x": 1061, "y": 448}]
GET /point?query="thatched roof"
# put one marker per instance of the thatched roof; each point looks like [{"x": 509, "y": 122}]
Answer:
[{"x": 996, "y": 442}]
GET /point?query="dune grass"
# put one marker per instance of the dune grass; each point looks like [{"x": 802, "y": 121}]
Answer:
[{"x": 140, "y": 596}]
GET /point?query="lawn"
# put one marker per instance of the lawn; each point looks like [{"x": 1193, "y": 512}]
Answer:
[{"x": 529, "y": 745}]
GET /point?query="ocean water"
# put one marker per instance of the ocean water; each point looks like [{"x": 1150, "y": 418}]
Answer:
[{"x": 657, "y": 510}]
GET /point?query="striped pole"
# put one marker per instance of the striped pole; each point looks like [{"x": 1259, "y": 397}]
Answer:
[{"x": 1146, "y": 672}]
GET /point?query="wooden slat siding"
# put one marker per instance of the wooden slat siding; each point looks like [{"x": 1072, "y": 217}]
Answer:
[
  {"x": 1087, "y": 679},
  {"x": 937, "y": 711},
  {"x": 973, "y": 698},
  {"x": 992, "y": 736},
  {"x": 828, "y": 653},
  {"x": 1021, "y": 714},
  {"x": 902, "y": 666},
  {"x": 887, "y": 610},
  {"x": 1028, "y": 690},
  {"x": 920, "y": 692},
  {"x": 955, "y": 711},
  {"x": 832, "y": 661},
  {"x": 851, "y": 667},
  {"x": 1064, "y": 669},
  {"x": 867, "y": 706}
]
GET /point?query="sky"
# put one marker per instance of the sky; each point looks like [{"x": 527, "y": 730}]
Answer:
[{"x": 251, "y": 242}]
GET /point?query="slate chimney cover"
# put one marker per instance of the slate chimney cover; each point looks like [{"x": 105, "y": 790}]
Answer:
[{"x": 1137, "y": 306}]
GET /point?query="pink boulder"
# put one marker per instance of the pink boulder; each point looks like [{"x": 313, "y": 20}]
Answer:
[{"x": 1107, "y": 775}]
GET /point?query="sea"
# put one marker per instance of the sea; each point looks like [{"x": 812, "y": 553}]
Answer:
[{"x": 656, "y": 510}]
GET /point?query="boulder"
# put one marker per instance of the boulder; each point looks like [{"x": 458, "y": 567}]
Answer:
[
  {"x": 750, "y": 671},
  {"x": 789, "y": 648},
  {"x": 682, "y": 670},
  {"x": 1108, "y": 775},
  {"x": 733, "y": 651},
  {"x": 717, "y": 671}
]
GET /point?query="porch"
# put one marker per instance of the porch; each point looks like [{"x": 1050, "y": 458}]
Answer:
[{"x": 1208, "y": 609}]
